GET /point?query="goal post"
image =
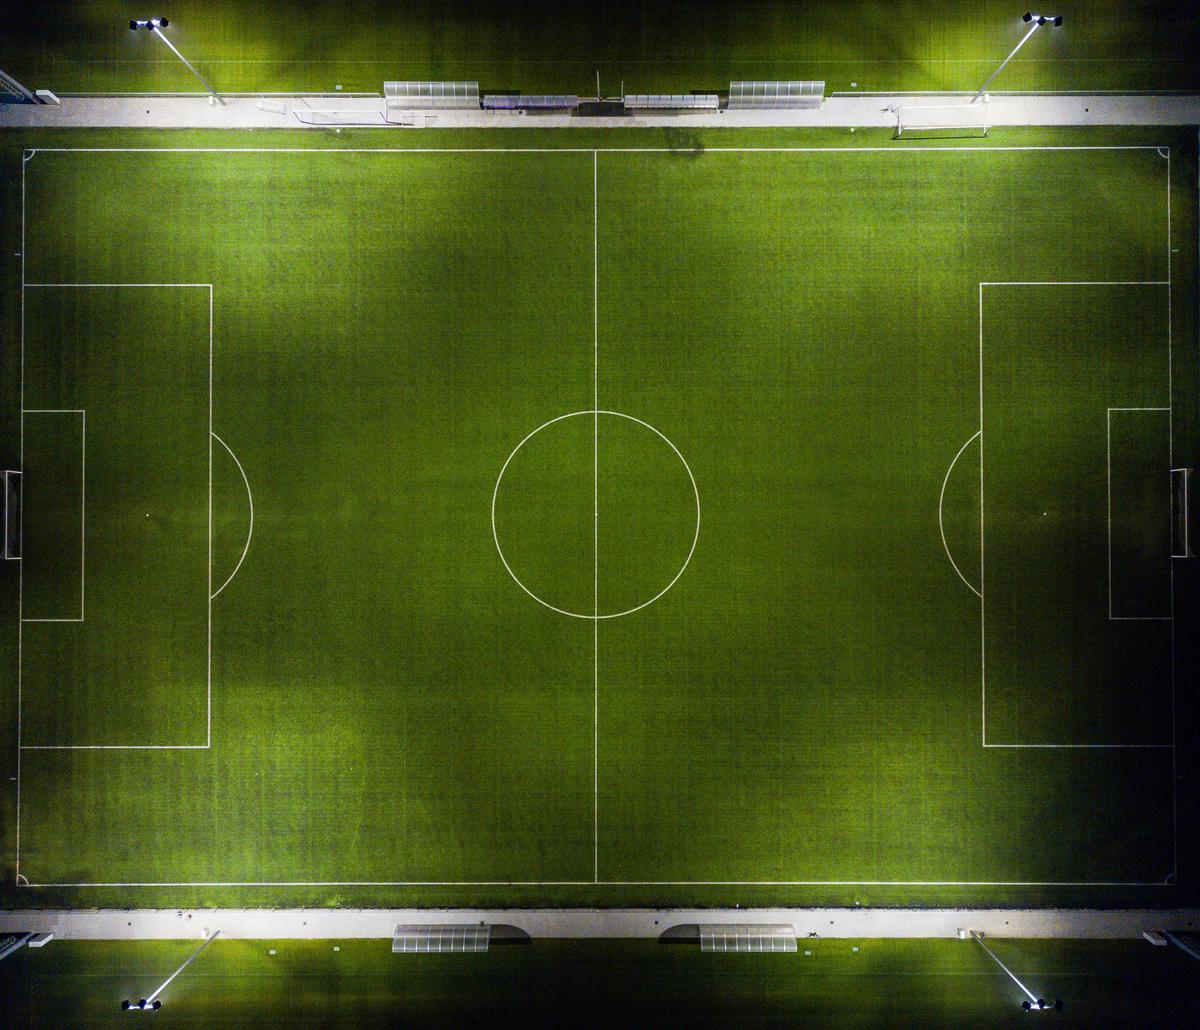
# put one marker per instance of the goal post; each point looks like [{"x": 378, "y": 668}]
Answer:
[
  {"x": 339, "y": 111},
  {"x": 944, "y": 121},
  {"x": 12, "y": 514},
  {"x": 1181, "y": 539}
]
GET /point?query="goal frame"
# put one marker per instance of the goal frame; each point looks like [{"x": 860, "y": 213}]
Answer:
[{"x": 922, "y": 118}]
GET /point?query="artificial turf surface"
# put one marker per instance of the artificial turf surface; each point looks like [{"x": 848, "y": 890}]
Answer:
[
  {"x": 610, "y": 983},
  {"x": 372, "y": 710}
]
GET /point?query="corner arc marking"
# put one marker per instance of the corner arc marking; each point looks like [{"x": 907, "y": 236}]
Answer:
[{"x": 941, "y": 527}]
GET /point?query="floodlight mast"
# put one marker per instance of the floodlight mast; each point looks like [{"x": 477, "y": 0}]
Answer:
[
  {"x": 152, "y": 1004},
  {"x": 1035, "y": 21},
  {"x": 1034, "y": 1004},
  {"x": 156, "y": 25}
]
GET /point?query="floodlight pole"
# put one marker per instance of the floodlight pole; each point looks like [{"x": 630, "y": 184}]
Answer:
[
  {"x": 155, "y": 25},
  {"x": 175, "y": 50},
  {"x": 150, "y": 1003},
  {"x": 1034, "y": 1001},
  {"x": 1037, "y": 21}
]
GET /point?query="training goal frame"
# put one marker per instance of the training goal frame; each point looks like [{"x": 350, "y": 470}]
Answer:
[{"x": 961, "y": 118}]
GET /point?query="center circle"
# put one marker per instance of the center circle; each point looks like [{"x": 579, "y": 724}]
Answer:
[{"x": 595, "y": 514}]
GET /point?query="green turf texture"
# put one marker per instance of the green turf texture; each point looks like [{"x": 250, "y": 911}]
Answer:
[
  {"x": 804, "y": 704},
  {"x": 588, "y": 983},
  {"x": 696, "y": 45}
]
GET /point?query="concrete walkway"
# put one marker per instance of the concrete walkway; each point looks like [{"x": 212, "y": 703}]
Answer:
[
  {"x": 875, "y": 111},
  {"x": 327, "y": 924}
]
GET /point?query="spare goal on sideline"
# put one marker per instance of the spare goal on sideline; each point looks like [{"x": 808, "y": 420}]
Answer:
[
  {"x": 1181, "y": 516},
  {"x": 339, "y": 111},
  {"x": 12, "y": 513},
  {"x": 942, "y": 120}
]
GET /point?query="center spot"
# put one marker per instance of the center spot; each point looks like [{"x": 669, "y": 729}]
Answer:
[{"x": 595, "y": 514}]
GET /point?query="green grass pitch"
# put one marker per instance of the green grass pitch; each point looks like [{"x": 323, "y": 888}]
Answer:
[{"x": 568, "y": 522}]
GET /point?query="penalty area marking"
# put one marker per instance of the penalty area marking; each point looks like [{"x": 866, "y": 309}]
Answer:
[
  {"x": 595, "y": 615},
  {"x": 982, "y": 601},
  {"x": 21, "y": 746}
]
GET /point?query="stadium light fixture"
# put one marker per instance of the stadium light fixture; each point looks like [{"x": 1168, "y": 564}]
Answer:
[
  {"x": 152, "y": 1004},
  {"x": 1032, "y": 1003},
  {"x": 156, "y": 26},
  {"x": 1035, "y": 22}
]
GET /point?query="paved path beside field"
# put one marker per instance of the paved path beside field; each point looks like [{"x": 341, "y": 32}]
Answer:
[
  {"x": 195, "y": 112},
  {"x": 327, "y": 924}
]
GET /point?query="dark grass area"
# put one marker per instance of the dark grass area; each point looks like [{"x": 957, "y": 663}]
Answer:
[
  {"x": 699, "y": 45},
  {"x": 882, "y": 983},
  {"x": 804, "y": 704}
]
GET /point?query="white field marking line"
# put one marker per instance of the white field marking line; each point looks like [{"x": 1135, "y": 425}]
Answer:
[
  {"x": 1108, "y": 483},
  {"x": 203, "y": 286},
  {"x": 110, "y": 747},
  {"x": 1097, "y": 747},
  {"x": 982, "y": 552},
  {"x": 7, "y": 556},
  {"x": 695, "y": 494},
  {"x": 596, "y": 516},
  {"x": 1075, "y": 282},
  {"x": 250, "y": 532},
  {"x": 82, "y": 413},
  {"x": 25, "y": 158},
  {"x": 1171, "y": 460},
  {"x": 941, "y": 527},
  {"x": 982, "y": 613},
  {"x": 483, "y": 883},
  {"x": 610, "y": 883},
  {"x": 208, "y": 655},
  {"x": 114, "y": 747},
  {"x": 566, "y": 150}
]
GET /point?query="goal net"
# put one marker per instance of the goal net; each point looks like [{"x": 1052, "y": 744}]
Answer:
[
  {"x": 12, "y": 514},
  {"x": 339, "y": 111},
  {"x": 942, "y": 120},
  {"x": 1181, "y": 544}
]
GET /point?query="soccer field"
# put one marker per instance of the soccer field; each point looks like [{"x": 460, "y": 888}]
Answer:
[{"x": 549, "y": 522}]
